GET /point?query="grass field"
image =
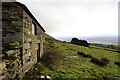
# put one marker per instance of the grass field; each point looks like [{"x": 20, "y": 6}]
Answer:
[
  {"x": 104, "y": 48},
  {"x": 62, "y": 62}
]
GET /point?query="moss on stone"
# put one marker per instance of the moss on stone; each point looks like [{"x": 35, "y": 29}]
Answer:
[
  {"x": 13, "y": 30},
  {"x": 11, "y": 52},
  {"x": 14, "y": 44}
]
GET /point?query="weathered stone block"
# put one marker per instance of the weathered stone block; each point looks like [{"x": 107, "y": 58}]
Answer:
[
  {"x": 25, "y": 56},
  {"x": 27, "y": 40},
  {"x": 27, "y": 31},
  {"x": 26, "y": 45},
  {"x": 24, "y": 51},
  {"x": 13, "y": 37},
  {"x": 29, "y": 53},
  {"x": 17, "y": 23}
]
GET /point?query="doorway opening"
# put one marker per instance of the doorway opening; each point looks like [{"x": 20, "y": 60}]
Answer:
[{"x": 38, "y": 52}]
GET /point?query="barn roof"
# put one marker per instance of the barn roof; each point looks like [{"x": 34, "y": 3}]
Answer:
[
  {"x": 30, "y": 14},
  {"x": 8, "y": 0}
]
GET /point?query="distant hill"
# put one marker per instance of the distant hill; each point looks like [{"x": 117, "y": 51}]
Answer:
[
  {"x": 104, "y": 40},
  {"x": 48, "y": 37}
]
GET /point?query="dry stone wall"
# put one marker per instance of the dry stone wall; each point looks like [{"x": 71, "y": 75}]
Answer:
[
  {"x": 12, "y": 33},
  {"x": 20, "y": 46}
]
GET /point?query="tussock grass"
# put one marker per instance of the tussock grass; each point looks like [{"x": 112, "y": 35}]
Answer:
[
  {"x": 80, "y": 53},
  {"x": 98, "y": 61},
  {"x": 89, "y": 55},
  {"x": 52, "y": 57},
  {"x": 118, "y": 63},
  {"x": 85, "y": 55}
]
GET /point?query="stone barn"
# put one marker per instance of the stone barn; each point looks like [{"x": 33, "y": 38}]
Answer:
[{"x": 22, "y": 39}]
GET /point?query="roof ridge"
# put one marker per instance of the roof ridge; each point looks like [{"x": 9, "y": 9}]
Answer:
[{"x": 8, "y": 0}]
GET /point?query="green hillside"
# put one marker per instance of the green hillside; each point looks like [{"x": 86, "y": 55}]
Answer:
[{"x": 61, "y": 61}]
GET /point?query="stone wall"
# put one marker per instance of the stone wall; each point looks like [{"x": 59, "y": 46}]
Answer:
[
  {"x": 12, "y": 18},
  {"x": 20, "y": 45},
  {"x": 12, "y": 32}
]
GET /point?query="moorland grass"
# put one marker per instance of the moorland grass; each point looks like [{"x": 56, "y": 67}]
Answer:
[{"x": 59, "y": 66}]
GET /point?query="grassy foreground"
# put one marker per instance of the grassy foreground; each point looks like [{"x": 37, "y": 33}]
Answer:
[{"x": 61, "y": 61}]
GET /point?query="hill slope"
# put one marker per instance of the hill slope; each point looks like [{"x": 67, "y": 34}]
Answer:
[{"x": 61, "y": 61}]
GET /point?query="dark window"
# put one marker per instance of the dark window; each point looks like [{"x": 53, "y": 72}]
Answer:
[{"x": 34, "y": 29}]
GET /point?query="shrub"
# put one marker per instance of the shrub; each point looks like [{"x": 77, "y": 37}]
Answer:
[
  {"x": 95, "y": 60},
  {"x": 80, "y": 53},
  {"x": 101, "y": 62},
  {"x": 89, "y": 55},
  {"x": 52, "y": 57},
  {"x": 118, "y": 63},
  {"x": 85, "y": 55},
  {"x": 104, "y": 61}
]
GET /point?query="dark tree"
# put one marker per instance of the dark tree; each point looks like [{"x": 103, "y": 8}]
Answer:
[{"x": 79, "y": 42}]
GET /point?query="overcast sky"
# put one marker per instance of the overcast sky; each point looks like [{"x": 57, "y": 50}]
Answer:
[{"x": 75, "y": 18}]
